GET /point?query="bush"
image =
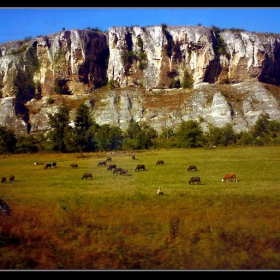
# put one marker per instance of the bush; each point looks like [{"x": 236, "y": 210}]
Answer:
[{"x": 187, "y": 80}]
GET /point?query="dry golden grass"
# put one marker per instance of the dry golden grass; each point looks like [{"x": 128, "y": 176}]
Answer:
[{"x": 60, "y": 221}]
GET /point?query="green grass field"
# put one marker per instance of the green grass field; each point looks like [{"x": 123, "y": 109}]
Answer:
[{"x": 60, "y": 221}]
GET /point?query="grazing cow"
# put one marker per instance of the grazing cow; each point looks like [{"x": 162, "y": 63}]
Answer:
[
  {"x": 195, "y": 180},
  {"x": 123, "y": 172},
  {"x": 192, "y": 168},
  {"x": 111, "y": 166},
  {"x": 117, "y": 170},
  {"x": 54, "y": 164},
  {"x": 12, "y": 178},
  {"x": 140, "y": 167},
  {"x": 74, "y": 165},
  {"x": 133, "y": 157},
  {"x": 102, "y": 163},
  {"x": 229, "y": 177},
  {"x": 87, "y": 175},
  {"x": 4, "y": 179},
  {"x": 160, "y": 162},
  {"x": 48, "y": 165},
  {"x": 160, "y": 192},
  {"x": 109, "y": 159}
]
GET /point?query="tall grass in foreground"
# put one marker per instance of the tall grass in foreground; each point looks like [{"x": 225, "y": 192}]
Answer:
[{"x": 119, "y": 222}]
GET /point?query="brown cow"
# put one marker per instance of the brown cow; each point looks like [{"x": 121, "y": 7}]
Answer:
[
  {"x": 87, "y": 175},
  {"x": 133, "y": 157},
  {"x": 12, "y": 178},
  {"x": 229, "y": 177},
  {"x": 160, "y": 162},
  {"x": 195, "y": 180},
  {"x": 74, "y": 165},
  {"x": 102, "y": 163}
]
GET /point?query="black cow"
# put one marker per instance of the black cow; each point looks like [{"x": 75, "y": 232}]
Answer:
[
  {"x": 192, "y": 168},
  {"x": 102, "y": 163},
  {"x": 160, "y": 162},
  {"x": 117, "y": 170},
  {"x": 195, "y": 180},
  {"x": 54, "y": 164},
  {"x": 12, "y": 178},
  {"x": 123, "y": 172},
  {"x": 87, "y": 175},
  {"x": 74, "y": 165},
  {"x": 140, "y": 167},
  {"x": 48, "y": 165},
  {"x": 111, "y": 166},
  {"x": 133, "y": 157},
  {"x": 4, "y": 179}
]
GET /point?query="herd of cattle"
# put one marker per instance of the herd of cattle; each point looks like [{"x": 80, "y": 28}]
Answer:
[
  {"x": 118, "y": 170},
  {"x": 11, "y": 178},
  {"x": 4, "y": 208}
]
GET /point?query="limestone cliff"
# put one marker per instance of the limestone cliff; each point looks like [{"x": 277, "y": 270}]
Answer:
[{"x": 236, "y": 76}]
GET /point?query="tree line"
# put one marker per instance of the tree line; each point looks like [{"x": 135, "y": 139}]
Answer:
[{"x": 85, "y": 135}]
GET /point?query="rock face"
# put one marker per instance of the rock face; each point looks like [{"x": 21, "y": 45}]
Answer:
[{"x": 235, "y": 73}]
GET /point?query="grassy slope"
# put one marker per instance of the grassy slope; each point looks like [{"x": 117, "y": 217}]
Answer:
[{"x": 216, "y": 225}]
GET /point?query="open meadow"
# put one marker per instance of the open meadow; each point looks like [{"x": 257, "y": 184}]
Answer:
[{"x": 113, "y": 221}]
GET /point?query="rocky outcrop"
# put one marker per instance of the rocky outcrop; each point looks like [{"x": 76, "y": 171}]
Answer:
[{"x": 233, "y": 73}]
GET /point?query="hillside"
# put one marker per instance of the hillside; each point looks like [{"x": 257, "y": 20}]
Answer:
[{"x": 235, "y": 76}]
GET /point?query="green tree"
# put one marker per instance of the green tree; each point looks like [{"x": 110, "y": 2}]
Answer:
[
  {"x": 166, "y": 138},
  {"x": 223, "y": 136},
  {"x": 229, "y": 137},
  {"x": 71, "y": 140},
  {"x": 274, "y": 128},
  {"x": 59, "y": 123},
  {"x": 115, "y": 138},
  {"x": 245, "y": 138},
  {"x": 139, "y": 137},
  {"x": 83, "y": 122},
  {"x": 150, "y": 134},
  {"x": 101, "y": 137},
  {"x": 189, "y": 134},
  {"x": 8, "y": 140},
  {"x": 260, "y": 129},
  {"x": 187, "y": 80},
  {"x": 26, "y": 144},
  {"x": 221, "y": 46},
  {"x": 133, "y": 129}
]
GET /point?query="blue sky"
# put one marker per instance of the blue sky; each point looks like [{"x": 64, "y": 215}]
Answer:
[{"x": 18, "y": 23}]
